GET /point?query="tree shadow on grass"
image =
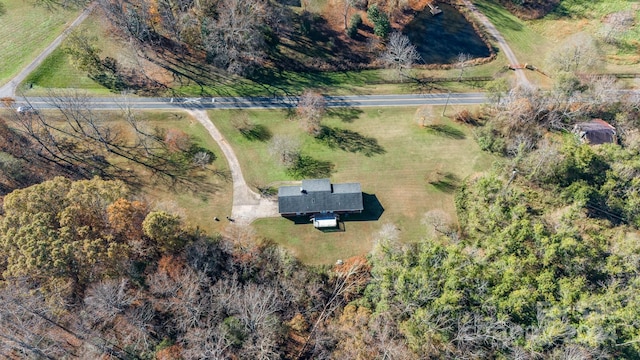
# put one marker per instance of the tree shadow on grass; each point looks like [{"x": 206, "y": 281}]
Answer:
[
  {"x": 445, "y": 182},
  {"x": 346, "y": 114},
  {"x": 446, "y": 131},
  {"x": 308, "y": 167},
  {"x": 350, "y": 141},
  {"x": 257, "y": 132}
]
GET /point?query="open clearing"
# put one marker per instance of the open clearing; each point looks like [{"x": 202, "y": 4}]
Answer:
[
  {"x": 410, "y": 170},
  {"x": 198, "y": 203},
  {"x": 25, "y": 30},
  {"x": 533, "y": 40}
]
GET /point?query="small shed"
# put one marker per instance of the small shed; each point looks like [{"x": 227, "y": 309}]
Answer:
[{"x": 595, "y": 132}]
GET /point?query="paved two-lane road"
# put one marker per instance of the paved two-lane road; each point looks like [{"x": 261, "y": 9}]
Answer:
[{"x": 204, "y": 103}]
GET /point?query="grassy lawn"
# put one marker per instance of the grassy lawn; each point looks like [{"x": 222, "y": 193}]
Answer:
[
  {"x": 529, "y": 46},
  {"x": 532, "y": 40},
  {"x": 197, "y": 202},
  {"x": 573, "y": 16},
  {"x": 25, "y": 30},
  {"x": 200, "y": 203},
  {"x": 410, "y": 171},
  {"x": 57, "y": 70}
]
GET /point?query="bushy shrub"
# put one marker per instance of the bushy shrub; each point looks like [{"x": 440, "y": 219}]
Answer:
[
  {"x": 380, "y": 20},
  {"x": 356, "y": 21},
  {"x": 490, "y": 141}
]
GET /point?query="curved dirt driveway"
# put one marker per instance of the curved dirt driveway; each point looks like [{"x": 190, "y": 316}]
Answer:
[
  {"x": 247, "y": 204},
  {"x": 522, "y": 78}
]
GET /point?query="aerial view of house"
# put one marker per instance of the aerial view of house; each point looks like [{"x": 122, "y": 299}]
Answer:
[{"x": 319, "y": 179}]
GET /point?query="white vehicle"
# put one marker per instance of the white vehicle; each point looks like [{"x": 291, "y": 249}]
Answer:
[{"x": 26, "y": 110}]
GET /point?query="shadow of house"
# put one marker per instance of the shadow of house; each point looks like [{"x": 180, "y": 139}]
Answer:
[
  {"x": 595, "y": 132},
  {"x": 373, "y": 210}
]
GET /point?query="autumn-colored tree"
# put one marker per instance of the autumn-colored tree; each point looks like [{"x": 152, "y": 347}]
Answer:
[
  {"x": 58, "y": 230},
  {"x": 165, "y": 230},
  {"x": 125, "y": 220},
  {"x": 177, "y": 140},
  {"x": 7, "y": 101},
  {"x": 286, "y": 150}
]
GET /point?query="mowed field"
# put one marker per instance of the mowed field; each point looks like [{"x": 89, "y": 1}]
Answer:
[
  {"x": 533, "y": 41},
  {"x": 412, "y": 170},
  {"x": 25, "y": 30},
  {"x": 202, "y": 200}
]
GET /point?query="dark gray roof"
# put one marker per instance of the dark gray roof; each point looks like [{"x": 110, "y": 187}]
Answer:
[
  {"x": 318, "y": 195},
  {"x": 596, "y": 131}
]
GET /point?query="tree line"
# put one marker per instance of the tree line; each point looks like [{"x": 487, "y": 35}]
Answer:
[{"x": 88, "y": 271}]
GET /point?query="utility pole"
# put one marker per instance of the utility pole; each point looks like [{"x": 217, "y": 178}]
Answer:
[{"x": 447, "y": 103}]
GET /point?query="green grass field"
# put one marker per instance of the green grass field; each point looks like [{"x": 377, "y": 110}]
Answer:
[
  {"x": 533, "y": 40},
  {"x": 413, "y": 170},
  {"x": 529, "y": 46},
  {"x": 25, "y": 30}
]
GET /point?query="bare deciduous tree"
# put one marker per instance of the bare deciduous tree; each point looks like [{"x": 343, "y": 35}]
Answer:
[
  {"x": 108, "y": 298},
  {"x": 235, "y": 37},
  {"x": 576, "y": 54},
  {"x": 286, "y": 150},
  {"x": 616, "y": 25},
  {"x": 346, "y": 7},
  {"x": 462, "y": 62},
  {"x": 400, "y": 54},
  {"x": 28, "y": 324},
  {"x": 311, "y": 109},
  {"x": 424, "y": 116},
  {"x": 602, "y": 89},
  {"x": 84, "y": 142},
  {"x": 201, "y": 159},
  {"x": 439, "y": 221}
]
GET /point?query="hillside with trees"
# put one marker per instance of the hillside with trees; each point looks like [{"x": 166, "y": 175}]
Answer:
[
  {"x": 90, "y": 272},
  {"x": 209, "y": 48}
]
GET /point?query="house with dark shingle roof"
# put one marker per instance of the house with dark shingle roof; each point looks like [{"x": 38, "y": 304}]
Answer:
[
  {"x": 595, "y": 132},
  {"x": 319, "y": 197}
]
